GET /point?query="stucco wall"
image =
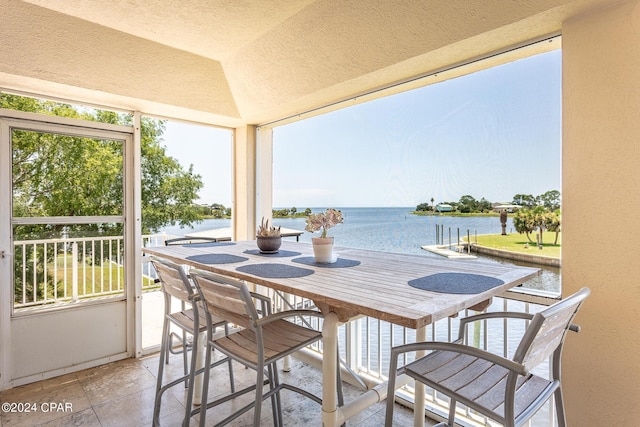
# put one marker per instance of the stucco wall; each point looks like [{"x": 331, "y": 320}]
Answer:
[
  {"x": 88, "y": 61},
  {"x": 601, "y": 167}
]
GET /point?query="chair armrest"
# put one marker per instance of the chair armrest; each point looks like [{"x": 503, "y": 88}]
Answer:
[
  {"x": 457, "y": 348},
  {"x": 499, "y": 315},
  {"x": 265, "y": 303},
  {"x": 492, "y": 315},
  {"x": 289, "y": 313}
]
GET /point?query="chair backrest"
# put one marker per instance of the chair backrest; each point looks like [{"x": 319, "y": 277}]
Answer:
[
  {"x": 173, "y": 279},
  {"x": 188, "y": 240},
  {"x": 226, "y": 298},
  {"x": 547, "y": 330}
]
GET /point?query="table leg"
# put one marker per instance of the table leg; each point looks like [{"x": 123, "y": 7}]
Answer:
[
  {"x": 418, "y": 409},
  {"x": 329, "y": 373}
]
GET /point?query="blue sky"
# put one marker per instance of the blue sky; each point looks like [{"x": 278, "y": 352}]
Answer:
[
  {"x": 491, "y": 134},
  {"x": 208, "y": 149}
]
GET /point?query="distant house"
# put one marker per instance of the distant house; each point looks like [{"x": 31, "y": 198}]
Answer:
[
  {"x": 443, "y": 207},
  {"x": 506, "y": 207}
]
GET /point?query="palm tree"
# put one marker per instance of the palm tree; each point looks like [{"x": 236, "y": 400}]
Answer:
[
  {"x": 540, "y": 219},
  {"x": 553, "y": 223},
  {"x": 524, "y": 222}
]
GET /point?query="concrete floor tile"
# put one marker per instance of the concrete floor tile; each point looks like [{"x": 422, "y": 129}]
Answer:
[{"x": 123, "y": 393}]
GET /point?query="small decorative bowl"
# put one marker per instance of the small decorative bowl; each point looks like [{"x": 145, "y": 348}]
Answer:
[{"x": 269, "y": 244}]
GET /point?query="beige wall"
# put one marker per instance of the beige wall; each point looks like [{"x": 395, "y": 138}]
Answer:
[
  {"x": 601, "y": 167},
  {"x": 71, "y": 58},
  {"x": 244, "y": 183}
]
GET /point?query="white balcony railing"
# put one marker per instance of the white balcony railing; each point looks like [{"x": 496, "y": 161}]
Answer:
[{"x": 58, "y": 271}]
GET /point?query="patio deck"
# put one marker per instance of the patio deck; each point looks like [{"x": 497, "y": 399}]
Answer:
[{"x": 122, "y": 393}]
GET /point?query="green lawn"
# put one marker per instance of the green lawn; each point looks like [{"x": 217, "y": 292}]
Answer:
[
  {"x": 518, "y": 243},
  {"x": 94, "y": 279}
]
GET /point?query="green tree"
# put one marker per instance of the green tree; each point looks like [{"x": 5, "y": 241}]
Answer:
[
  {"x": 467, "y": 204},
  {"x": 554, "y": 222},
  {"x": 60, "y": 175},
  {"x": 524, "y": 200},
  {"x": 540, "y": 218},
  {"x": 280, "y": 213},
  {"x": 524, "y": 223},
  {"x": 484, "y": 205},
  {"x": 168, "y": 190},
  {"x": 218, "y": 210},
  {"x": 424, "y": 207},
  {"x": 527, "y": 221},
  {"x": 550, "y": 200}
]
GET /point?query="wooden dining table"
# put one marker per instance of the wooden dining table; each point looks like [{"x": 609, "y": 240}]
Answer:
[{"x": 407, "y": 290}]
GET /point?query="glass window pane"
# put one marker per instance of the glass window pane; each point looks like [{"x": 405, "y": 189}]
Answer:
[{"x": 62, "y": 175}]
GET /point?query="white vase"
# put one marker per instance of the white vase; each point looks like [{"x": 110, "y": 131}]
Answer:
[{"x": 323, "y": 250}]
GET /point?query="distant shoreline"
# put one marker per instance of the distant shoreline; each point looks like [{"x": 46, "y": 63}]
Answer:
[
  {"x": 425, "y": 213},
  {"x": 410, "y": 210}
]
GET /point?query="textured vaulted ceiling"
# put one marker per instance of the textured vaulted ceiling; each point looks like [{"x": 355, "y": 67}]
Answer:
[{"x": 235, "y": 62}]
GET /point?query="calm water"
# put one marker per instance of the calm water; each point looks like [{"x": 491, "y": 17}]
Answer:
[{"x": 396, "y": 230}]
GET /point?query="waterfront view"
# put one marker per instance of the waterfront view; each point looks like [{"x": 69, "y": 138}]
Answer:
[{"x": 397, "y": 230}]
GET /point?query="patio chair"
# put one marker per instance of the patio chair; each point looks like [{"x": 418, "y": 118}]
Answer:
[
  {"x": 502, "y": 389},
  {"x": 265, "y": 339},
  {"x": 176, "y": 284},
  {"x": 185, "y": 343},
  {"x": 184, "y": 240}
]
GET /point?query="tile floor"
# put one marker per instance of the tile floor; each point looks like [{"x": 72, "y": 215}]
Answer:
[{"x": 122, "y": 394}]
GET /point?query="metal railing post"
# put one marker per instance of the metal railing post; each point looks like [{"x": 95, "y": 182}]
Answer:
[{"x": 74, "y": 271}]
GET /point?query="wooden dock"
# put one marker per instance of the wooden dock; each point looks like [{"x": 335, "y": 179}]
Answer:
[{"x": 443, "y": 250}]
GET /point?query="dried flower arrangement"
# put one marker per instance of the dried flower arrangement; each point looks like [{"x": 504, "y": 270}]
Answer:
[
  {"x": 265, "y": 230},
  {"x": 324, "y": 221}
]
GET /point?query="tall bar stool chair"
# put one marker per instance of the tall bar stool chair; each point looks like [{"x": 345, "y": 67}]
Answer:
[
  {"x": 185, "y": 343},
  {"x": 189, "y": 240},
  {"x": 192, "y": 321},
  {"x": 502, "y": 389},
  {"x": 265, "y": 338}
]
